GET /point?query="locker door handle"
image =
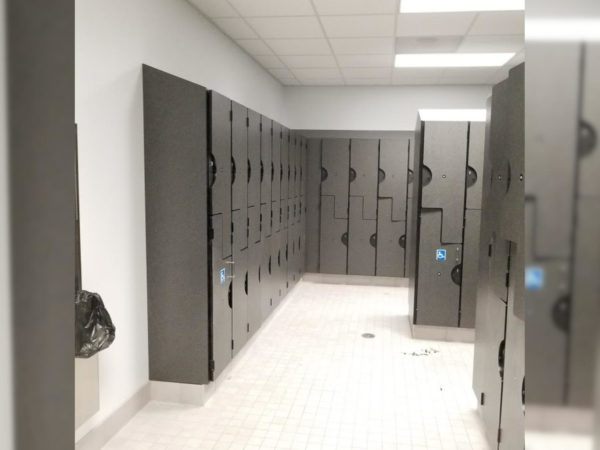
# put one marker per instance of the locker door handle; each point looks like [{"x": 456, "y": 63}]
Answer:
[
  {"x": 426, "y": 176},
  {"x": 281, "y": 172},
  {"x": 456, "y": 274},
  {"x": 501, "y": 359},
  {"x": 233, "y": 170},
  {"x": 324, "y": 174},
  {"x": 561, "y": 312},
  {"x": 262, "y": 171},
  {"x": 249, "y": 170},
  {"x": 373, "y": 240},
  {"x": 380, "y": 176},
  {"x": 272, "y": 171},
  {"x": 471, "y": 176},
  {"x": 345, "y": 239},
  {"x": 212, "y": 170},
  {"x": 230, "y": 296},
  {"x": 352, "y": 175},
  {"x": 411, "y": 176},
  {"x": 588, "y": 138},
  {"x": 246, "y": 283},
  {"x": 402, "y": 241}
]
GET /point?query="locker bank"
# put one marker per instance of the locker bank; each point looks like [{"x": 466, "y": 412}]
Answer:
[{"x": 296, "y": 224}]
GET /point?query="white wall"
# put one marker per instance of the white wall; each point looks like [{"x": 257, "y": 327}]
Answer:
[
  {"x": 6, "y": 387},
  {"x": 374, "y": 108},
  {"x": 113, "y": 39}
]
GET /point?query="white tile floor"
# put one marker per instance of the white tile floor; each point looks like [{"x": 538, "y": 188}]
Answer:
[{"x": 310, "y": 381}]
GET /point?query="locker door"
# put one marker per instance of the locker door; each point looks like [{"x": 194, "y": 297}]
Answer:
[
  {"x": 276, "y": 176},
  {"x": 390, "y": 250},
  {"x": 292, "y": 173},
  {"x": 239, "y": 155},
  {"x": 284, "y": 163},
  {"x": 265, "y": 276},
  {"x": 470, "y": 268},
  {"x": 438, "y": 292},
  {"x": 393, "y": 175},
  {"x": 335, "y": 163},
  {"x": 475, "y": 164},
  {"x": 240, "y": 299},
  {"x": 220, "y": 168},
  {"x": 265, "y": 176},
  {"x": 333, "y": 238},
  {"x": 255, "y": 255},
  {"x": 362, "y": 239},
  {"x": 444, "y": 157},
  {"x": 311, "y": 201},
  {"x": 253, "y": 158},
  {"x": 364, "y": 159},
  {"x": 221, "y": 307},
  {"x": 276, "y": 279}
]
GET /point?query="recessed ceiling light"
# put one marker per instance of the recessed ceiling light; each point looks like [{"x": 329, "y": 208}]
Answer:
[
  {"x": 431, "y": 6},
  {"x": 452, "y": 59},
  {"x": 453, "y": 115}
]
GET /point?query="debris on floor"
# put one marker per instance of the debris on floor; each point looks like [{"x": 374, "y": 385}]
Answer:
[{"x": 422, "y": 352}]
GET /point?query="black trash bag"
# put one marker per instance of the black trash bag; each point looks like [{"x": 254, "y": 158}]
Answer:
[{"x": 94, "y": 330}]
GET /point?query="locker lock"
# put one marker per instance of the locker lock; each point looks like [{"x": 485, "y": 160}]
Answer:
[
  {"x": 456, "y": 274},
  {"x": 471, "y": 176},
  {"x": 373, "y": 240},
  {"x": 345, "y": 239},
  {"x": 380, "y": 176},
  {"x": 402, "y": 241},
  {"x": 352, "y": 175},
  {"x": 426, "y": 175}
]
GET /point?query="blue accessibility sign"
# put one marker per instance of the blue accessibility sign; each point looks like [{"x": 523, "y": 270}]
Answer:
[
  {"x": 534, "y": 278},
  {"x": 223, "y": 273},
  {"x": 440, "y": 254}
]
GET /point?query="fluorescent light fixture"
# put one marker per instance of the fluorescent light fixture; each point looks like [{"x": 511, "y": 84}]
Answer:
[
  {"x": 563, "y": 30},
  {"x": 436, "y": 6},
  {"x": 453, "y": 115},
  {"x": 452, "y": 59}
]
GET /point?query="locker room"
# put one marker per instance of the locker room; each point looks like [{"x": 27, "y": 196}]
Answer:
[{"x": 298, "y": 224}]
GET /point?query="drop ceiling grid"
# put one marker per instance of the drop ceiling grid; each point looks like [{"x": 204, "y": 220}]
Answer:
[{"x": 312, "y": 42}]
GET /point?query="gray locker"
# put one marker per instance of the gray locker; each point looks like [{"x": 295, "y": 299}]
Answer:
[
  {"x": 265, "y": 221},
  {"x": 294, "y": 149},
  {"x": 253, "y": 158},
  {"x": 335, "y": 166},
  {"x": 265, "y": 176},
  {"x": 444, "y": 156},
  {"x": 364, "y": 165},
  {"x": 284, "y": 163},
  {"x": 393, "y": 174},
  {"x": 362, "y": 239},
  {"x": 265, "y": 276},
  {"x": 276, "y": 175},
  {"x": 240, "y": 300},
  {"x": 276, "y": 273},
  {"x": 255, "y": 255},
  {"x": 253, "y": 224},
  {"x": 475, "y": 164},
  {"x": 437, "y": 290},
  {"x": 333, "y": 247},
  {"x": 390, "y": 250},
  {"x": 239, "y": 157},
  {"x": 239, "y": 228},
  {"x": 222, "y": 294},
  {"x": 302, "y": 174},
  {"x": 470, "y": 268},
  {"x": 283, "y": 262},
  {"x": 220, "y": 168}
]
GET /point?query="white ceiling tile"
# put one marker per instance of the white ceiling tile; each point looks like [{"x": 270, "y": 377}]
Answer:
[
  {"x": 289, "y": 81},
  {"x": 359, "y": 26},
  {"x": 468, "y": 74},
  {"x": 323, "y": 82},
  {"x": 366, "y": 60},
  {"x": 304, "y": 74},
  {"x": 281, "y": 73},
  {"x": 343, "y": 7},
  {"x": 363, "y": 46},
  {"x": 500, "y": 22},
  {"x": 270, "y": 8},
  {"x": 235, "y": 28},
  {"x": 367, "y": 81},
  {"x": 269, "y": 61},
  {"x": 286, "y": 27},
  {"x": 416, "y": 76},
  {"x": 214, "y": 8},
  {"x": 434, "y": 24},
  {"x": 254, "y": 46},
  {"x": 299, "y": 46},
  {"x": 309, "y": 61},
  {"x": 488, "y": 44},
  {"x": 367, "y": 72}
]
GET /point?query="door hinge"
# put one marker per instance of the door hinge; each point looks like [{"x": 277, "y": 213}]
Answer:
[{"x": 499, "y": 434}]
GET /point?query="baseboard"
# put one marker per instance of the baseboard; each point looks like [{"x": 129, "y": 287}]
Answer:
[
  {"x": 98, "y": 436},
  {"x": 360, "y": 280},
  {"x": 450, "y": 334}
]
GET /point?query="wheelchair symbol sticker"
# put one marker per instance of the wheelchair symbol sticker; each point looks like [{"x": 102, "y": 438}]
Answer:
[
  {"x": 223, "y": 276},
  {"x": 534, "y": 278},
  {"x": 440, "y": 254}
]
